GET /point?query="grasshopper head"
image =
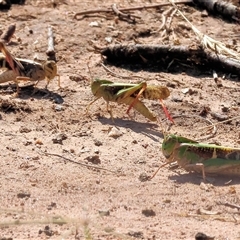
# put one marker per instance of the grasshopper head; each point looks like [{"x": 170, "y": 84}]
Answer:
[
  {"x": 50, "y": 69},
  {"x": 96, "y": 85},
  {"x": 169, "y": 144}
]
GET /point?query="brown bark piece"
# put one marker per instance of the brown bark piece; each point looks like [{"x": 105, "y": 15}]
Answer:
[
  {"x": 165, "y": 55},
  {"x": 223, "y": 8}
]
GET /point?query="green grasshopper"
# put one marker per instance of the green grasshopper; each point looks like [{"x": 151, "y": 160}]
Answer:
[
  {"x": 129, "y": 94},
  {"x": 201, "y": 157}
]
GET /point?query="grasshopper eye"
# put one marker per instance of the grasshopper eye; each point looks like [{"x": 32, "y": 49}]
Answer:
[{"x": 50, "y": 69}]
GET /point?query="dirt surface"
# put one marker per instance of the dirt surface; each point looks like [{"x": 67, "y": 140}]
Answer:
[{"x": 54, "y": 196}]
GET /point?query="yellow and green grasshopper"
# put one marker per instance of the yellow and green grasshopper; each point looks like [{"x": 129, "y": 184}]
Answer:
[
  {"x": 18, "y": 69},
  {"x": 201, "y": 157},
  {"x": 129, "y": 93}
]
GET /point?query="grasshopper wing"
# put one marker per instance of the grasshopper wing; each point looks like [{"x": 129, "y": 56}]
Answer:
[{"x": 216, "y": 159}]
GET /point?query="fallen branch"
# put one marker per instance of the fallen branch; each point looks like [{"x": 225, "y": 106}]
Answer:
[
  {"x": 219, "y": 7},
  {"x": 110, "y": 10},
  {"x": 170, "y": 57}
]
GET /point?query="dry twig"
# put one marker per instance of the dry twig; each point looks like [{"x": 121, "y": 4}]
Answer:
[
  {"x": 165, "y": 15},
  {"x": 231, "y": 205},
  {"x": 110, "y": 10},
  {"x": 208, "y": 42},
  {"x": 124, "y": 16},
  {"x": 215, "y": 124},
  {"x": 72, "y": 161}
]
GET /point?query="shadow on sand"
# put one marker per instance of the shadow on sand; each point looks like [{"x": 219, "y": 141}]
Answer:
[
  {"x": 30, "y": 91},
  {"x": 196, "y": 178},
  {"x": 150, "y": 130}
]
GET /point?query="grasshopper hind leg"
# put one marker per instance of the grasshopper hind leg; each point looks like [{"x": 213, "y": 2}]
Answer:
[{"x": 137, "y": 97}]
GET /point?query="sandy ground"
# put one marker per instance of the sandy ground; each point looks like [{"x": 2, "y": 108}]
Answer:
[{"x": 46, "y": 196}]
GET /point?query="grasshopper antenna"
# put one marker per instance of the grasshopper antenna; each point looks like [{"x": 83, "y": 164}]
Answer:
[
  {"x": 89, "y": 70},
  {"x": 164, "y": 132},
  {"x": 150, "y": 178}
]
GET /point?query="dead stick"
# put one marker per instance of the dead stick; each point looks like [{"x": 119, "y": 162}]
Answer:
[
  {"x": 7, "y": 35},
  {"x": 129, "y": 9},
  {"x": 70, "y": 160},
  {"x": 153, "y": 6},
  {"x": 50, "y": 51}
]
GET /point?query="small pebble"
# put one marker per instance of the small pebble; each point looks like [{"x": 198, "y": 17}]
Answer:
[
  {"x": 94, "y": 24},
  {"x": 93, "y": 159},
  {"x": 115, "y": 133},
  {"x": 59, "y": 138},
  {"x": 103, "y": 213},
  {"x": 23, "y": 195},
  {"x": 148, "y": 213},
  {"x": 58, "y": 108}
]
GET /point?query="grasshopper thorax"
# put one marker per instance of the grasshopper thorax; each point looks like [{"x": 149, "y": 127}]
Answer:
[{"x": 50, "y": 69}]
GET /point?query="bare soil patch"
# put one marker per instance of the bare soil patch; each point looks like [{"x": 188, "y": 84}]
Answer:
[{"x": 49, "y": 190}]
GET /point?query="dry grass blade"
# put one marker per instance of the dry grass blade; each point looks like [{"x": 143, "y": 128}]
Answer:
[
  {"x": 215, "y": 124},
  {"x": 208, "y": 42}
]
